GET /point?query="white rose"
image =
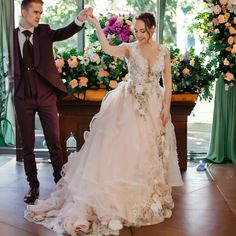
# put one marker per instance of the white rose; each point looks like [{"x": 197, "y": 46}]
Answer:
[
  {"x": 156, "y": 207},
  {"x": 115, "y": 225}
]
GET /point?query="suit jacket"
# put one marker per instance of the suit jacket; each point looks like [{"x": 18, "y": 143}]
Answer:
[{"x": 44, "y": 63}]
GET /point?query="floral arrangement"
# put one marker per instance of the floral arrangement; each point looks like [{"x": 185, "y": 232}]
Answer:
[
  {"x": 117, "y": 28},
  {"x": 192, "y": 73},
  {"x": 93, "y": 68},
  {"x": 219, "y": 24}
]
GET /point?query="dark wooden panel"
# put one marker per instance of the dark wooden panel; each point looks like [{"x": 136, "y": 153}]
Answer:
[{"x": 75, "y": 117}]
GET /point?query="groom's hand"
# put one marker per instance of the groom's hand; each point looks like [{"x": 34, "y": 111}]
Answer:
[
  {"x": 82, "y": 15},
  {"x": 85, "y": 13}
]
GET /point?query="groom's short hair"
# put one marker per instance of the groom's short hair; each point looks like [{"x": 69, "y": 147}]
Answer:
[{"x": 26, "y": 3}]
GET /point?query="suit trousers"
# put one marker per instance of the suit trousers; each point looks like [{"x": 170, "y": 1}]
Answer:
[{"x": 46, "y": 108}]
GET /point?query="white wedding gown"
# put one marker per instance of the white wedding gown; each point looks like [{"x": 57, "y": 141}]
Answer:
[{"x": 123, "y": 174}]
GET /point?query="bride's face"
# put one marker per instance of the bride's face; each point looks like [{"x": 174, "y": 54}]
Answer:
[{"x": 142, "y": 32}]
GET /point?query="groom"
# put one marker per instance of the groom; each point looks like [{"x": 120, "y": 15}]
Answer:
[{"x": 37, "y": 84}]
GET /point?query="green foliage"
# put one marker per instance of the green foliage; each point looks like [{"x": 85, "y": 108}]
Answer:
[
  {"x": 3, "y": 93},
  {"x": 218, "y": 27},
  {"x": 192, "y": 73}
]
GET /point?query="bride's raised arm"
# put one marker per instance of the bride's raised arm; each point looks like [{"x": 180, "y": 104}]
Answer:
[{"x": 118, "y": 51}]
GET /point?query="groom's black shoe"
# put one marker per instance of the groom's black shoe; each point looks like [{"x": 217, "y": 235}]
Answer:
[{"x": 32, "y": 195}]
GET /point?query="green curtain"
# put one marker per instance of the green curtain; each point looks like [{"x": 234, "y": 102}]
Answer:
[
  {"x": 7, "y": 137},
  {"x": 223, "y": 136}
]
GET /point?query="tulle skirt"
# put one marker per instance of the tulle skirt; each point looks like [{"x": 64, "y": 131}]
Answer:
[{"x": 122, "y": 175}]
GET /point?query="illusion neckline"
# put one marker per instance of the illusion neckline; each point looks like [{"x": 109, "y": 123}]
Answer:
[{"x": 149, "y": 66}]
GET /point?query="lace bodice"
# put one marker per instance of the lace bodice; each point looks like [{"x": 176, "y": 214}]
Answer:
[
  {"x": 138, "y": 65},
  {"x": 143, "y": 80}
]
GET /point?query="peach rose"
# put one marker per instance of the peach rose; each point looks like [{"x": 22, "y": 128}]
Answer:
[
  {"x": 232, "y": 30},
  {"x": 73, "y": 83},
  {"x": 186, "y": 71},
  {"x": 234, "y": 20},
  {"x": 221, "y": 19},
  {"x": 223, "y": 2},
  {"x": 227, "y": 16},
  {"x": 229, "y": 76},
  {"x": 103, "y": 73},
  {"x": 174, "y": 61},
  {"x": 83, "y": 81},
  {"x": 230, "y": 40},
  {"x": 217, "y": 9},
  {"x": 226, "y": 62},
  {"x": 72, "y": 62},
  {"x": 113, "y": 84},
  {"x": 126, "y": 77},
  {"x": 233, "y": 50}
]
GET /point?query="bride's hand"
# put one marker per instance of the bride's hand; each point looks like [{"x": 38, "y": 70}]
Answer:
[
  {"x": 92, "y": 19},
  {"x": 165, "y": 116}
]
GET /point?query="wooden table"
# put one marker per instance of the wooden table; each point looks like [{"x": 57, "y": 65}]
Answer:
[{"x": 75, "y": 116}]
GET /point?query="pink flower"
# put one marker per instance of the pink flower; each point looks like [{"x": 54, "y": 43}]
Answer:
[
  {"x": 215, "y": 21},
  {"x": 103, "y": 73},
  {"x": 192, "y": 63},
  {"x": 217, "y": 9},
  {"x": 72, "y": 62},
  {"x": 229, "y": 76}
]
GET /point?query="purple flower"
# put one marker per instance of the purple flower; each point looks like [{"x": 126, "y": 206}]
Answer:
[
  {"x": 106, "y": 31},
  {"x": 186, "y": 56},
  {"x": 116, "y": 27},
  {"x": 112, "y": 20}
]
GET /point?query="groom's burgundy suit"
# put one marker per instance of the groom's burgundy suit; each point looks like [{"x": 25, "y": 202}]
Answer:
[{"x": 47, "y": 87}]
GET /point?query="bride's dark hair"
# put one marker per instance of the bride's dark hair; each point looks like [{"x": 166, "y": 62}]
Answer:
[{"x": 149, "y": 20}]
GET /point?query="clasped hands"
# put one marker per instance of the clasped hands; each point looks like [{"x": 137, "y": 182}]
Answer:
[{"x": 87, "y": 15}]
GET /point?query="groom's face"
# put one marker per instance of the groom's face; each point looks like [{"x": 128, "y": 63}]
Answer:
[{"x": 32, "y": 14}]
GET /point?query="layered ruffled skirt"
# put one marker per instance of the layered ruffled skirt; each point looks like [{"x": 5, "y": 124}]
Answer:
[{"x": 122, "y": 176}]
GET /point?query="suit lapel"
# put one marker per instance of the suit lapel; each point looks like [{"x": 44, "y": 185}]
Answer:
[{"x": 36, "y": 46}]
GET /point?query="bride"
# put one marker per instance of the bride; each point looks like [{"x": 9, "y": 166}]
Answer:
[{"x": 123, "y": 174}]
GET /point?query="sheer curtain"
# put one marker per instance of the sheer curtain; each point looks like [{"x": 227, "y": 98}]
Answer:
[{"x": 7, "y": 137}]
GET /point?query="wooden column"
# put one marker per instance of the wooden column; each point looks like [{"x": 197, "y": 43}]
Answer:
[{"x": 179, "y": 112}]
